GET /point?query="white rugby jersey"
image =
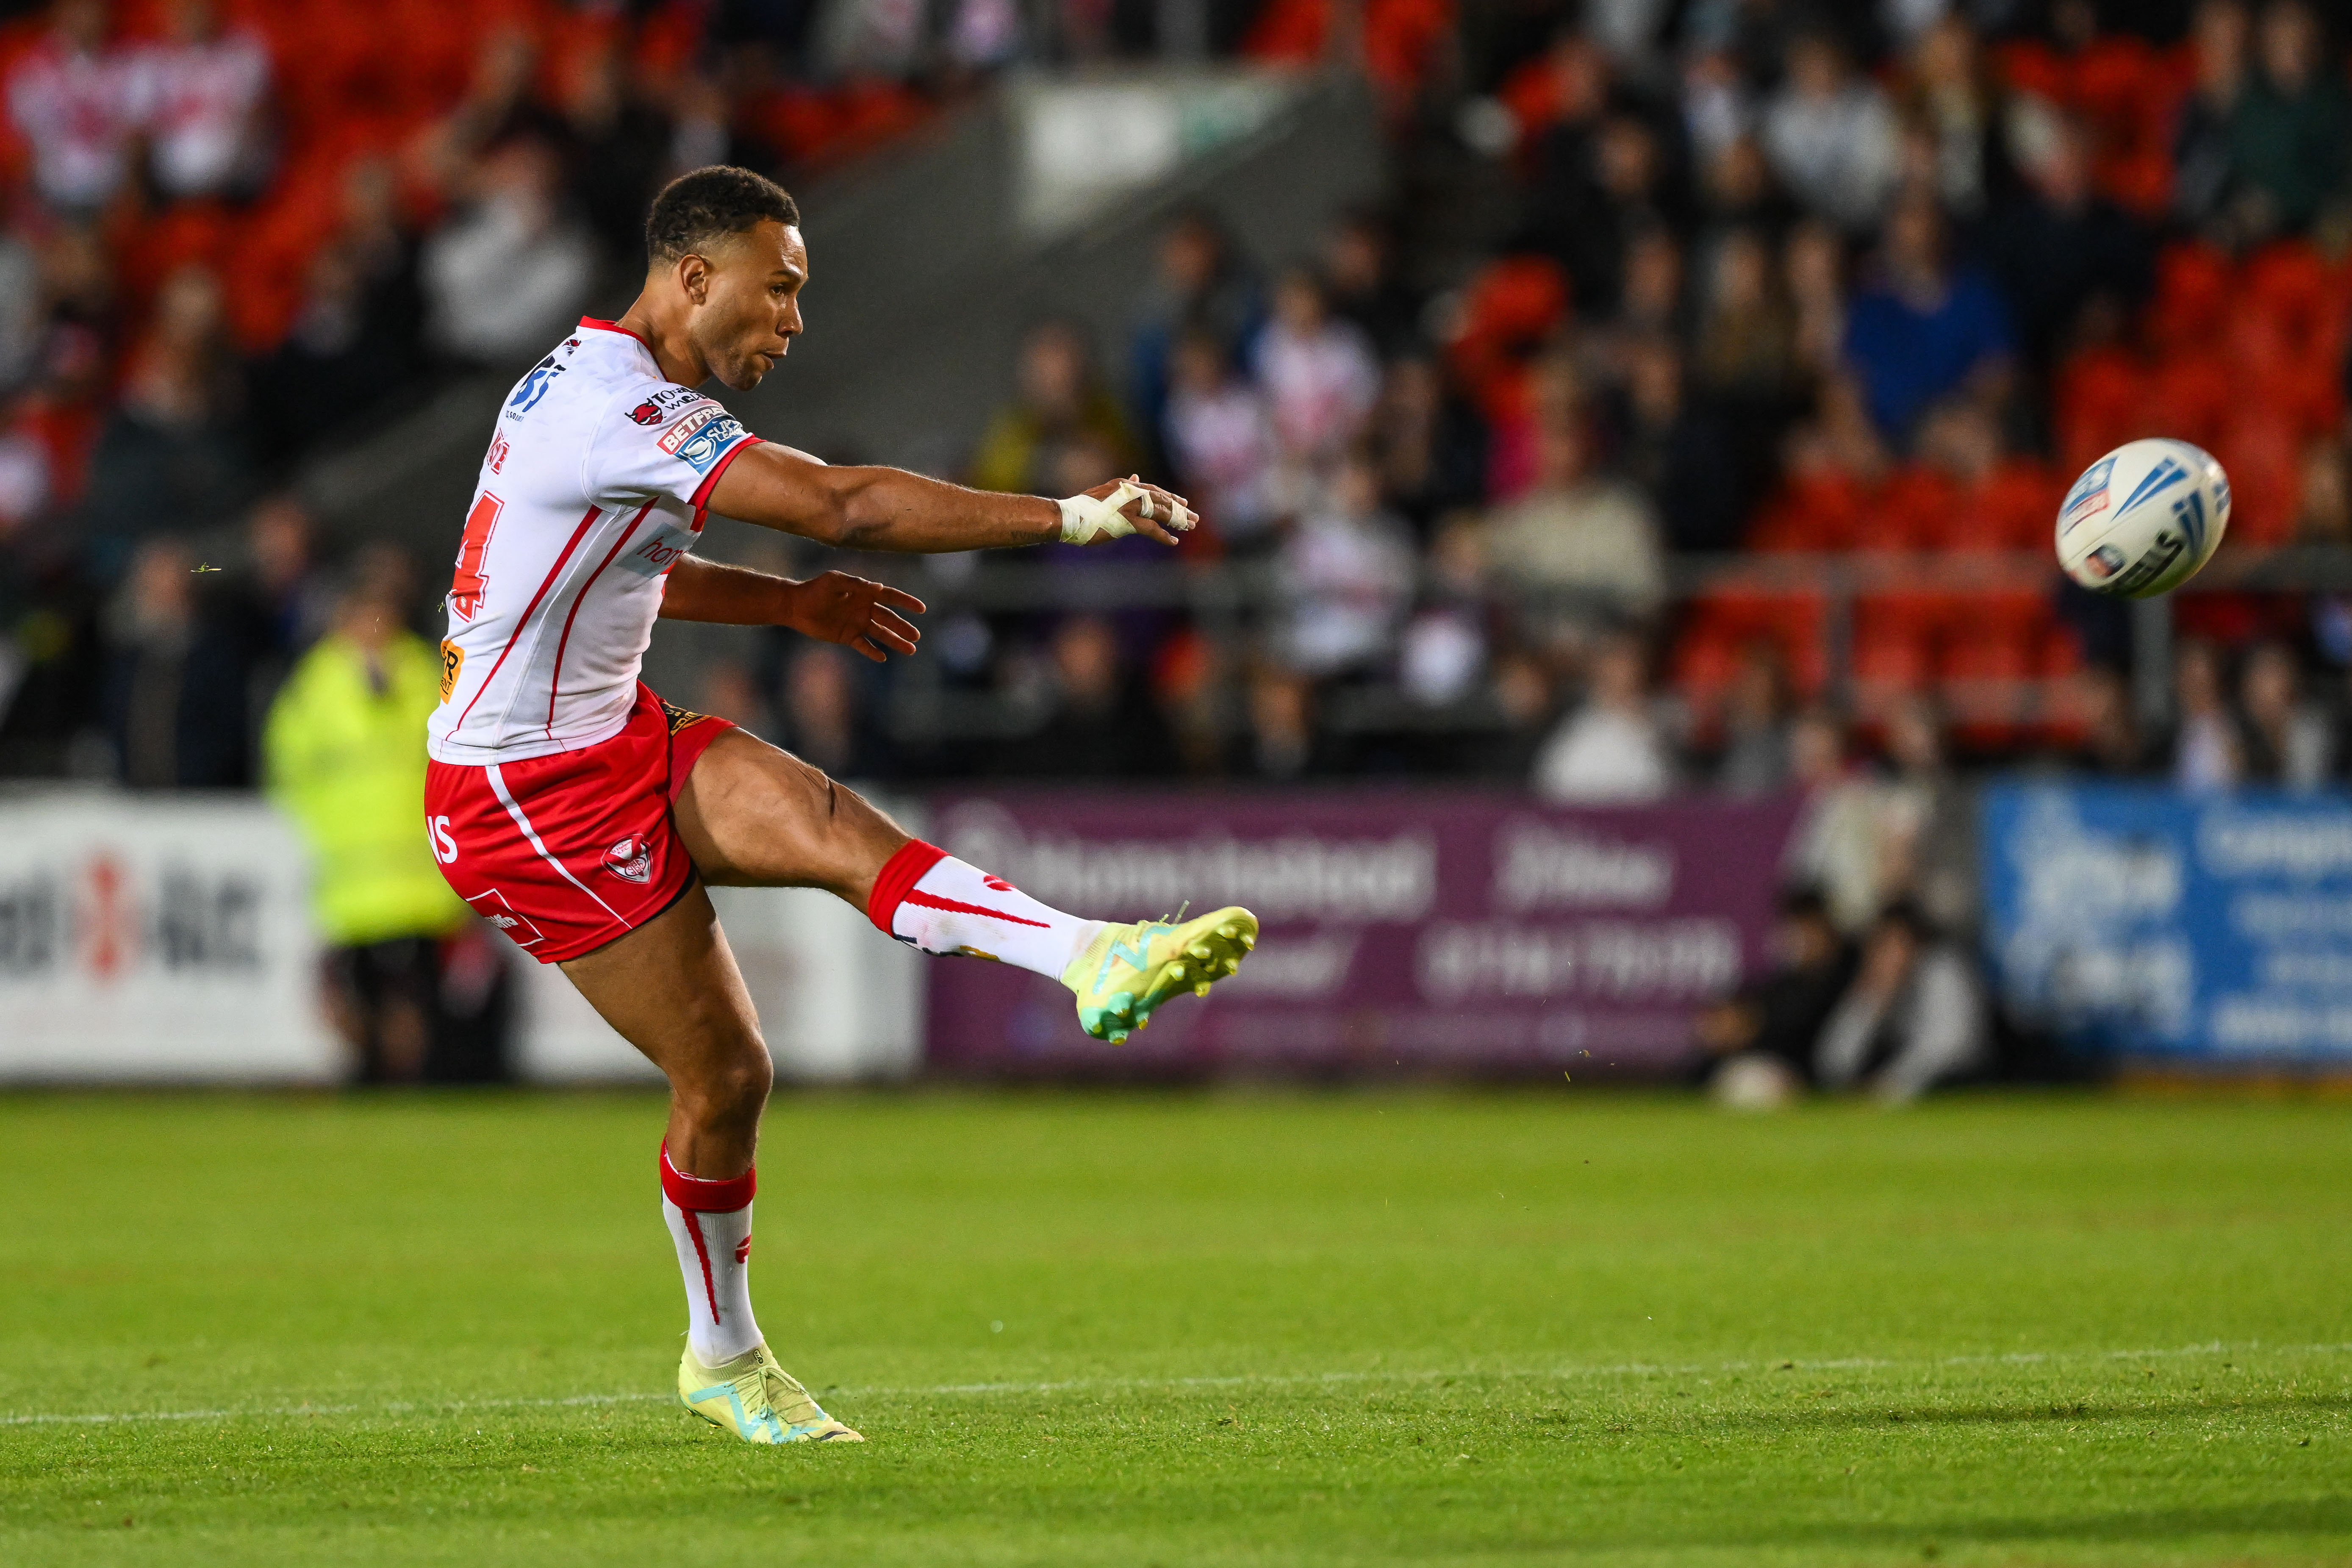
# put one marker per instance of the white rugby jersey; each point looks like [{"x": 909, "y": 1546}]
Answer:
[{"x": 594, "y": 484}]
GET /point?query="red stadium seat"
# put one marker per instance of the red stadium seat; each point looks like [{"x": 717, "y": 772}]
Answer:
[
  {"x": 2098, "y": 395},
  {"x": 2194, "y": 288}
]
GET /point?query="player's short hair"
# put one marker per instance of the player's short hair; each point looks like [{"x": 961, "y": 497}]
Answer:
[{"x": 698, "y": 208}]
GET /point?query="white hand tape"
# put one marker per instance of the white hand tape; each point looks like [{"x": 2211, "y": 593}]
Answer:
[{"x": 1086, "y": 519}]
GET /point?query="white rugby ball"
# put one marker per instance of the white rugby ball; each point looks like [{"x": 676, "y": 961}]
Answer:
[{"x": 2144, "y": 518}]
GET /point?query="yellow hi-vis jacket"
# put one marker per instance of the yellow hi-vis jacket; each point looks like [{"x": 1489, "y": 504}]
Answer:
[{"x": 347, "y": 764}]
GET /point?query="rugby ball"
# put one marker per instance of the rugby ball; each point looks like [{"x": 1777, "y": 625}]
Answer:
[{"x": 2143, "y": 518}]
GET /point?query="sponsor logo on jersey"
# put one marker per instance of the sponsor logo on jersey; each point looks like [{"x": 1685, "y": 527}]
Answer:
[
  {"x": 453, "y": 663},
  {"x": 497, "y": 461},
  {"x": 699, "y": 447},
  {"x": 534, "y": 386},
  {"x": 631, "y": 859},
  {"x": 2088, "y": 498},
  {"x": 658, "y": 553},
  {"x": 646, "y": 413},
  {"x": 692, "y": 420}
]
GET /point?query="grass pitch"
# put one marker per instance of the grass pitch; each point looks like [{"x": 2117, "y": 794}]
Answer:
[{"x": 1529, "y": 1328}]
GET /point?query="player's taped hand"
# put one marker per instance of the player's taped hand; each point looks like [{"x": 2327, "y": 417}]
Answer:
[{"x": 1092, "y": 519}]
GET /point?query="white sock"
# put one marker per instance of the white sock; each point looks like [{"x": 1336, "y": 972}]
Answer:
[
  {"x": 714, "y": 1255},
  {"x": 929, "y": 898}
]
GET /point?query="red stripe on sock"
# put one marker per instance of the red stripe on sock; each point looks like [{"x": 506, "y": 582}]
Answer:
[
  {"x": 900, "y": 875},
  {"x": 710, "y": 1290},
  {"x": 931, "y": 901},
  {"x": 699, "y": 1194}
]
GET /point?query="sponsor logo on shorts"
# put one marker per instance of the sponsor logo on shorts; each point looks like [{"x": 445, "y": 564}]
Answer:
[
  {"x": 679, "y": 718},
  {"x": 631, "y": 859},
  {"x": 453, "y": 664},
  {"x": 493, "y": 907}
]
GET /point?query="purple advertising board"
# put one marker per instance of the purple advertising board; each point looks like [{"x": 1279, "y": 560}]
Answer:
[{"x": 1415, "y": 930}]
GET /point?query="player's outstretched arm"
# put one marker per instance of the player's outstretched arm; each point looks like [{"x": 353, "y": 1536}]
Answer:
[
  {"x": 890, "y": 508},
  {"x": 862, "y": 616}
]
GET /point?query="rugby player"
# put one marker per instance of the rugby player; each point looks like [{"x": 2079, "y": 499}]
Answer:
[{"x": 585, "y": 816}]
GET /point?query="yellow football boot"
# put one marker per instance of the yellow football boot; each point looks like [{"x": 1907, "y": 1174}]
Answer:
[
  {"x": 1128, "y": 969},
  {"x": 757, "y": 1400}
]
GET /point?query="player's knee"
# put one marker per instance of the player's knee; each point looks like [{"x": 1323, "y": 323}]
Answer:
[{"x": 742, "y": 1087}]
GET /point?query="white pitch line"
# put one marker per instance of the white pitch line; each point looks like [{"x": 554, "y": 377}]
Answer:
[{"x": 1262, "y": 1380}]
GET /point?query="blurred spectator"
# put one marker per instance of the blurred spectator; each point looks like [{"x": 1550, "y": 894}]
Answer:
[
  {"x": 1221, "y": 443},
  {"x": 1202, "y": 286},
  {"x": 2283, "y": 739},
  {"x": 1947, "y": 105},
  {"x": 1836, "y": 842},
  {"x": 172, "y": 454},
  {"x": 2205, "y": 743},
  {"x": 1059, "y": 405},
  {"x": 2113, "y": 745},
  {"x": 2201, "y": 149},
  {"x": 620, "y": 145},
  {"x": 174, "y": 699},
  {"x": 1432, "y": 444},
  {"x": 825, "y": 720},
  {"x": 1346, "y": 573},
  {"x": 1813, "y": 263},
  {"x": 1781, "y": 1016},
  {"x": 1746, "y": 340},
  {"x": 731, "y": 691},
  {"x": 1924, "y": 329},
  {"x": 2063, "y": 244},
  {"x": 1612, "y": 749},
  {"x": 1099, "y": 724},
  {"x": 345, "y": 760},
  {"x": 1831, "y": 136},
  {"x": 1578, "y": 548},
  {"x": 74, "y": 96},
  {"x": 1359, "y": 272},
  {"x": 2291, "y": 139},
  {"x": 1679, "y": 452},
  {"x": 202, "y": 91},
  {"x": 1444, "y": 649},
  {"x": 1928, "y": 821},
  {"x": 507, "y": 275},
  {"x": 1283, "y": 741},
  {"x": 1318, "y": 374},
  {"x": 1756, "y": 731},
  {"x": 286, "y": 603},
  {"x": 1596, "y": 188},
  {"x": 1913, "y": 1019}
]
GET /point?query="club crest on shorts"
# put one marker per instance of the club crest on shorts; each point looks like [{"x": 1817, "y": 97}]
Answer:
[{"x": 631, "y": 859}]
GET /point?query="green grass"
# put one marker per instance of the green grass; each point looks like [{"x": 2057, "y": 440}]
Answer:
[{"x": 1534, "y": 1328}]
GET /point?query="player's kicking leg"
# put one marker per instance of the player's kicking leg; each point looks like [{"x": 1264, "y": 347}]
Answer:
[{"x": 752, "y": 814}]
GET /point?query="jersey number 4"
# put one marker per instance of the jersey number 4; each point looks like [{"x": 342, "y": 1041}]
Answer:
[{"x": 465, "y": 587}]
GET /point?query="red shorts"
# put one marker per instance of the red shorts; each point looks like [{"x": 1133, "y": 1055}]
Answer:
[{"x": 564, "y": 853}]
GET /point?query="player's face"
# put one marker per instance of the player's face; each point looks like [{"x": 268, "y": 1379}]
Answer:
[{"x": 751, "y": 308}]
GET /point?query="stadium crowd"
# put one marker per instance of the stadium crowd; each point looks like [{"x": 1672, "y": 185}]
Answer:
[{"x": 1840, "y": 293}]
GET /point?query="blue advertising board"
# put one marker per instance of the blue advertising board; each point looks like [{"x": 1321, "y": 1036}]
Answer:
[{"x": 2146, "y": 923}]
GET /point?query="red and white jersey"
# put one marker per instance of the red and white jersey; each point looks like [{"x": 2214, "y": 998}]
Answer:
[{"x": 593, "y": 486}]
